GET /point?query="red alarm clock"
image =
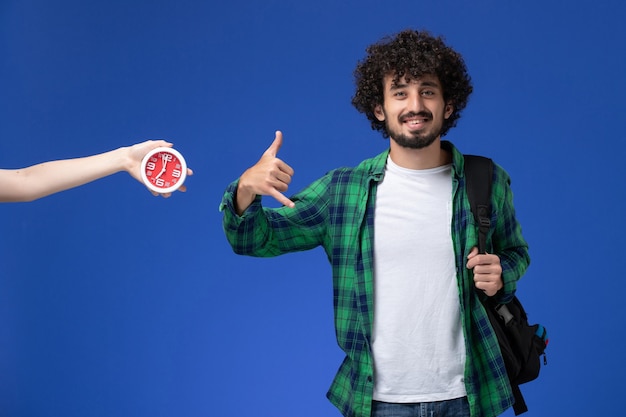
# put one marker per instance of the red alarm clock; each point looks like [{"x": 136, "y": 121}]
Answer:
[{"x": 163, "y": 170}]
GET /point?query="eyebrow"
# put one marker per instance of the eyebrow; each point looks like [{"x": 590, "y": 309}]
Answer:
[
  {"x": 397, "y": 86},
  {"x": 427, "y": 83}
]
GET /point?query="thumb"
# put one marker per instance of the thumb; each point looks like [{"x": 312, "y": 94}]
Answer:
[
  {"x": 275, "y": 146},
  {"x": 473, "y": 252}
]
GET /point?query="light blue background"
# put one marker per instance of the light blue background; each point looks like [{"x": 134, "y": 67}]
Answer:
[{"x": 116, "y": 303}]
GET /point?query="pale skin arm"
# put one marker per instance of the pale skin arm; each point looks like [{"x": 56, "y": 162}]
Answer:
[
  {"x": 37, "y": 181},
  {"x": 269, "y": 176},
  {"x": 487, "y": 271}
]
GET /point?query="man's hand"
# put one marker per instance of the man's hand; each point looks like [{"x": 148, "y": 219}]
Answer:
[
  {"x": 269, "y": 176},
  {"x": 487, "y": 271}
]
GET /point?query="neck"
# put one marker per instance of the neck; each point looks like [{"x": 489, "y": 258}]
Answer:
[{"x": 431, "y": 156}]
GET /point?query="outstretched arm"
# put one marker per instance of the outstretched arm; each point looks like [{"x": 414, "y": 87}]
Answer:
[{"x": 37, "y": 181}]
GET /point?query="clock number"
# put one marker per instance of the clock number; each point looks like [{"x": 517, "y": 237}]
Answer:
[
  {"x": 159, "y": 182},
  {"x": 176, "y": 173},
  {"x": 166, "y": 157},
  {"x": 150, "y": 166}
]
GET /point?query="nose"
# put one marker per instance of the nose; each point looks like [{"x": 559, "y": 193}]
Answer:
[{"x": 415, "y": 102}]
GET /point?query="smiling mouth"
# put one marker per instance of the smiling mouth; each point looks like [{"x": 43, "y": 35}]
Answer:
[
  {"x": 415, "y": 119},
  {"x": 415, "y": 122}
]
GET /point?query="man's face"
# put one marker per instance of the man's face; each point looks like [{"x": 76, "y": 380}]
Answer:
[{"x": 413, "y": 111}]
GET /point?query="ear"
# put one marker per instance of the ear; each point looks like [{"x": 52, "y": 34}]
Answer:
[
  {"x": 449, "y": 109},
  {"x": 379, "y": 113}
]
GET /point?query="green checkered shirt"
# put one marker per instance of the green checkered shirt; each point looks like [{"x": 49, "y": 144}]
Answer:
[{"x": 337, "y": 212}]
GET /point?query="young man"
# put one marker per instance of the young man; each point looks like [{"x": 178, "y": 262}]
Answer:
[
  {"x": 402, "y": 243},
  {"x": 37, "y": 181}
]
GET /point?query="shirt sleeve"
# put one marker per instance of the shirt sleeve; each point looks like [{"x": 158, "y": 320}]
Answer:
[
  {"x": 508, "y": 242},
  {"x": 263, "y": 232}
]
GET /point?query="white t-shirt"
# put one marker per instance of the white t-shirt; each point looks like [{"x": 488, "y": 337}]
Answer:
[{"x": 417, "y": 342}]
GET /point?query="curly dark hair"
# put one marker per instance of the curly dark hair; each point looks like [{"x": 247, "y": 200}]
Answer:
[{"x": 410, "y": 54}]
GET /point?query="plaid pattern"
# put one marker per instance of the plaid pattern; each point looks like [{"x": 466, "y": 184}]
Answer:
[{"x": 336, "y": 212}]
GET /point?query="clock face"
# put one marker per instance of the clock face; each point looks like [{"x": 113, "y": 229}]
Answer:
[{"x": 163, "y": 170}]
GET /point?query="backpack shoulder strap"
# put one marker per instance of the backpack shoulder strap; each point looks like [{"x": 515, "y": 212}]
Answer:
[{"x": 478, "y": 179}]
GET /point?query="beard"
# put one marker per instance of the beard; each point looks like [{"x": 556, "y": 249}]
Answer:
[{"x": 416, "y": 140}]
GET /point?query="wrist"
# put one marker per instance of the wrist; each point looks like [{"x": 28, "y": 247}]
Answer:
[
  {"x": 244, "y": 197},
  {"x": 121, "y": 159}
]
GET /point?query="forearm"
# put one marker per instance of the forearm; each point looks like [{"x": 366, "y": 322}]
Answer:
[
  {"x": 511, "y": 246},
  {"x": 514, "y": 264},
  {"x": 37, "y": 181},
  {"x": 267, "y": 232}
]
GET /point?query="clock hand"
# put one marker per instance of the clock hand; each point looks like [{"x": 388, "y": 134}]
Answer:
[
  {"x": 164, "y": 163},
  {"x": 163, "y": 166}
]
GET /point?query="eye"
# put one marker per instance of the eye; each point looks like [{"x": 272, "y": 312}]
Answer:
[
  {"x": 399, "y": 94},
  {"x": 428, "y": 93}
]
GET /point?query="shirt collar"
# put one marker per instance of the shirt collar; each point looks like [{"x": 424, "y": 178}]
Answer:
[
  {"x": 377, "y": 164},
  {"x": 457, "y": 159}
]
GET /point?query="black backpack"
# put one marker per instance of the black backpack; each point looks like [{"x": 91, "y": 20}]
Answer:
[{"x": 522, "y": 345}]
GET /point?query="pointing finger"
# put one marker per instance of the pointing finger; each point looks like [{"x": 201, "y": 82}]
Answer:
[{"x": 282, "y": 199}]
